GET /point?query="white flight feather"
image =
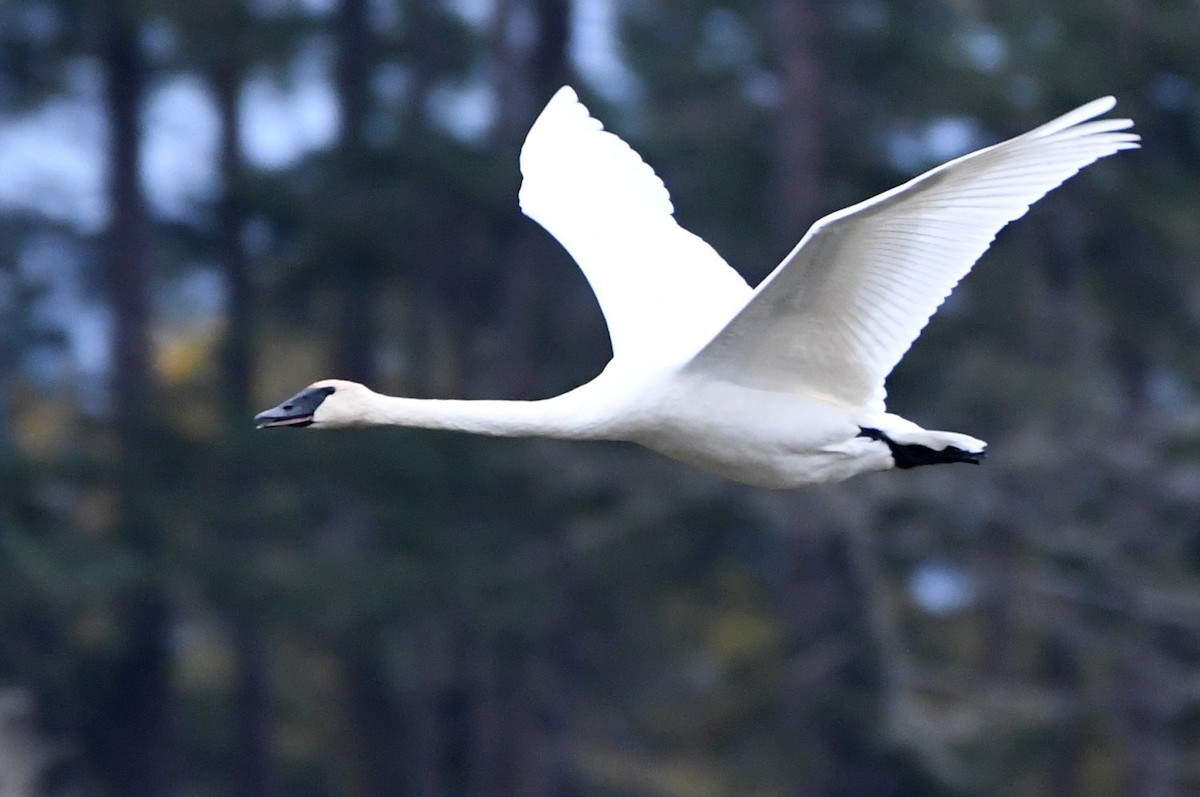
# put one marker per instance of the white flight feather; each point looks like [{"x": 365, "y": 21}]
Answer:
[
  {"x": 662, "y": 289},
  {"x": 835, "y": 317}
]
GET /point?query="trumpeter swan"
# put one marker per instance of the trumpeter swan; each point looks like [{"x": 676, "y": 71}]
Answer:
[{"x": 778, "y": 386}]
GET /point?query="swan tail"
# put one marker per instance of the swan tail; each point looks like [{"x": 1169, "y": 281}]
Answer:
[{"x": 912, "y": 449}]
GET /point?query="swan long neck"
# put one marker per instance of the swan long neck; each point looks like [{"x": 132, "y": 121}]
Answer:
[{"x": 562, "y": 416}]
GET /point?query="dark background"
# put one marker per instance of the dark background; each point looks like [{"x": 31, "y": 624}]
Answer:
[{"x": 209, "y": 204}]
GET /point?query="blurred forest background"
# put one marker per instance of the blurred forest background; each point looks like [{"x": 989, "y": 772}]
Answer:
[{"x": 208, "y": 204}]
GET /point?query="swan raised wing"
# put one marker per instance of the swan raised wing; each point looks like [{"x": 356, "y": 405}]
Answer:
[
  {"x": 661, "y": 288},
  {"x": 836, "y": 316}
]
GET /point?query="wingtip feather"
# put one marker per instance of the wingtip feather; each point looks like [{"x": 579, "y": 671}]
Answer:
[{"x": 1083, "y": 113}]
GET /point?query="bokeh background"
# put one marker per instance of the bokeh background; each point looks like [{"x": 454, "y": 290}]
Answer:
[{"x": 206, "y": 205}]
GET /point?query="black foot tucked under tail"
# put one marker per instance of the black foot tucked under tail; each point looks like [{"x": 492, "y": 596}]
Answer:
[{"x": 912, "y": 455}]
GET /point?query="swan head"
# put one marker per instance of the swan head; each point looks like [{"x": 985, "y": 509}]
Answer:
[{"x": 327, "y": 404}]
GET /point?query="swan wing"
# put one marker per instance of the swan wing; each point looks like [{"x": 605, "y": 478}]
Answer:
[
  {"x": 835, "y": 317},
  {"x": 658, "y": 285}
]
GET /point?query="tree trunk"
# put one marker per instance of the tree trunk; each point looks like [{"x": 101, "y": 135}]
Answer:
[
  {"x": 254, "y": 773},
  {"x": 358, "y": 275},
  {"x": 815, "y": 601},
  {"x": 130, "y": 739},
  {"x": 383, "y": 749},
  {"x": 526, "y": 250},
  {"x": 420, "y": 704},
  {"x": 237, "y": 351},
  {"x": 549, "y": 61},
  {"x": 133, "y": 745},
  {"x": 801, "y": 116},
  {"x": 821, "y": 586},
  {"x": 127, "y": 236}
]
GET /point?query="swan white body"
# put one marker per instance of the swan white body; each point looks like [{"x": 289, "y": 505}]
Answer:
[{"x": 778, "y": 386}]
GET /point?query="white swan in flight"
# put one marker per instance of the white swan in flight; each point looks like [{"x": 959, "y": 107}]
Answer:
[{"x": 778, "y": 386}]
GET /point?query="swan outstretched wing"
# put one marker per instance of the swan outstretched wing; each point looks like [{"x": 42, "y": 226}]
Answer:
[
  {"x": 660, "y": 287},
  {"x": 841, "y": 310}
]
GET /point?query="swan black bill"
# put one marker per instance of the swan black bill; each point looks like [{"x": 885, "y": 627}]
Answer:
[{"x": 297, "y": 411}]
